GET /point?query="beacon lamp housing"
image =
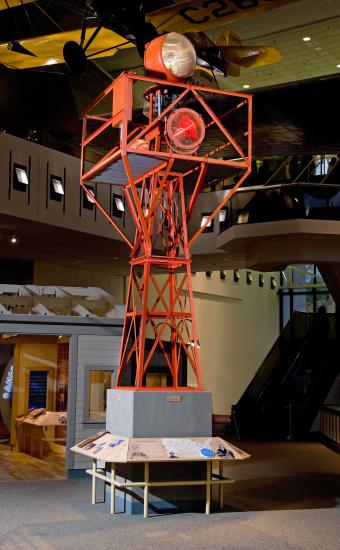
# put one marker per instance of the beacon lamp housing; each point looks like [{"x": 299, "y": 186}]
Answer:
[{"x": 171, "y": 56}]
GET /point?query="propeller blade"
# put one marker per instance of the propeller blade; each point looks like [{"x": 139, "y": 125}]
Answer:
[{"x": 251, "y": 56}]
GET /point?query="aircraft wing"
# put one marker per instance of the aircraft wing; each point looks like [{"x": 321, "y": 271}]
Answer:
[
  {"x": 193, "y": 16},
  {"x": 49, "y": 49},
  {"x": 178, "y": 15},
  {"x": 5, "y": 4}
]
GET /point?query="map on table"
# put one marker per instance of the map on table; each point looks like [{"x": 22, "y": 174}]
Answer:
[{"x": 115, "y": 448}]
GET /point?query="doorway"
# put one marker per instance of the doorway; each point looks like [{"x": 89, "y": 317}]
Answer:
[{"x": 33, "y": 406}]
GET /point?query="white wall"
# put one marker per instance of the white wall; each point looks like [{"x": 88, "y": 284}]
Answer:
[{"x": 237, "y": 325}]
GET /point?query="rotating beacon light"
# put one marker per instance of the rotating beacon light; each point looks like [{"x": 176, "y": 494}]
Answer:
[
  {"x": 171, "y": 56},
  {"x": 185, "y": 131}
]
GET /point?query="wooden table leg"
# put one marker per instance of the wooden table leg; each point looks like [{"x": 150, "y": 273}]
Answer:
[
  {"x": 208, "y": 488},
  {"x": 146, "y": 489},
  {"x": 94, "y": 479},
  {"x": 113, "y": 489},
  {"x": 221, "y": 487}
]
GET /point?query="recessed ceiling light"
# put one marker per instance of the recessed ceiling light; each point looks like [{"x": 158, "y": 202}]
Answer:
[
  {"x": 338, "y": 66},
  {"x": 246, "y": 86},
  {"x": 14, "y": 240},
  {"x": 318, "y": 49},
  {"x": 306, "y": 38}
]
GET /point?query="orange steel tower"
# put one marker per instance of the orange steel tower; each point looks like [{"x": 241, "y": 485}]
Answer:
[{"x": 162, "y": 153}]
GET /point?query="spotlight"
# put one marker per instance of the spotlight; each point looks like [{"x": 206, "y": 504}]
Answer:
[
  {"x": 14, "y": 239},
  {"x": 171, "y": 56},
  {"x": 306, "y": 38}
]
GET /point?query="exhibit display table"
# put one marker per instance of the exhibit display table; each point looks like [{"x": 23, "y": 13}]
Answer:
[
  {"x": 33, "y": 430},
  {"x": 113, "y": 450}
]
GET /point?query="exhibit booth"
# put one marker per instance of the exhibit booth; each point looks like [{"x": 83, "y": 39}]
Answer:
[{"x": 54, "y": 373}]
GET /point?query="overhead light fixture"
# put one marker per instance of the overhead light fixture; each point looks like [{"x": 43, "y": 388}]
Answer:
[
  {"x": 222, "y": 215},
  {"x": 21, "y": 175},
  {"x": 57, "y": 191},
  {"x": 306, "y": 38},
  {"x": 20, "y": 178},
  {"x": 171, "y": 56},
  {"x": 246, "y": 86},
  {"x": 223, "y": 219},
  {"x": 210, "y": 226},
  {"x": 88, "y": 197},
  {"x": 14, "y": 239},
  {"x": 318, "y": 48},
  {"x": 14, "y": 46},
  {"x": 338, "y": 66},
  {"x": 58, "y": 186},
  {"x": 117, "y": 206}
]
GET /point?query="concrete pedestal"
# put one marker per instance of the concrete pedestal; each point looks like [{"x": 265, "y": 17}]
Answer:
[{"x": 159, "y": 413}]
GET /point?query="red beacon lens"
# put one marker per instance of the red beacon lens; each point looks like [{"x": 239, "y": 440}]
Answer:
[{"x": 185, "y": 131}]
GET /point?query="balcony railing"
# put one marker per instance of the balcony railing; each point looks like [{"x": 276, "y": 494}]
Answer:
[{"x": 283, "y": 202}]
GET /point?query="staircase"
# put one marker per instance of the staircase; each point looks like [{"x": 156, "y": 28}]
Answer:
[{"x": 293, "y": 381}]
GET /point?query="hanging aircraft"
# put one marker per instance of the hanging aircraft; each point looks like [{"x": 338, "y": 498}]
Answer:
[{"x": 99, "y": 28}]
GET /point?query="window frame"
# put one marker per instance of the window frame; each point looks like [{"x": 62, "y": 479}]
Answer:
[{"x": 87, "y": 369}]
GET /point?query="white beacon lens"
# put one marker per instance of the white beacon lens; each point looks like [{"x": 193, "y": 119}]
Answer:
[{"x": 179, "y": 55}]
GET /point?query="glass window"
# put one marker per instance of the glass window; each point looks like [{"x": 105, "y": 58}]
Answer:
[
  {"x": 286, "y": 313},
  {"x": 99, "y": 382},
  {"x": 326, "y": 300},
  {"x": 299, "y": 302}
]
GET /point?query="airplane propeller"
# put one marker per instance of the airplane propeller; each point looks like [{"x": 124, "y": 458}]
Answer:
[{"x": 127, "y": 21}]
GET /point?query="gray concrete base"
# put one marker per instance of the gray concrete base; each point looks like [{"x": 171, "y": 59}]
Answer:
[{"x": 159, "y": 413}]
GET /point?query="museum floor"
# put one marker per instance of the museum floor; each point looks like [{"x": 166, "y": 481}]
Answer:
[
  {"x": 21, "y": 466},
  {"x": 287, "y": 496}
]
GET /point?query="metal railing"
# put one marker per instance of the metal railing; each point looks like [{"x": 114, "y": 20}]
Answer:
[{"x": 284, "y": 201}]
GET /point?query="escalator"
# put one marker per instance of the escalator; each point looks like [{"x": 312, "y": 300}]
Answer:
[{"x": 289, "y": 388}]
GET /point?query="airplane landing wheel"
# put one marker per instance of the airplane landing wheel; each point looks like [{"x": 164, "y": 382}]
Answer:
[{"x": 75, "y": 58}]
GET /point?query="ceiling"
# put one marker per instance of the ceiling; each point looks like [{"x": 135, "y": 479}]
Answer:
[{"x": 285, "y": 29}]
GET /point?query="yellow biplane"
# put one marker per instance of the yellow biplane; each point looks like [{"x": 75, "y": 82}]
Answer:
[{"x": 106, "y": 26}]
